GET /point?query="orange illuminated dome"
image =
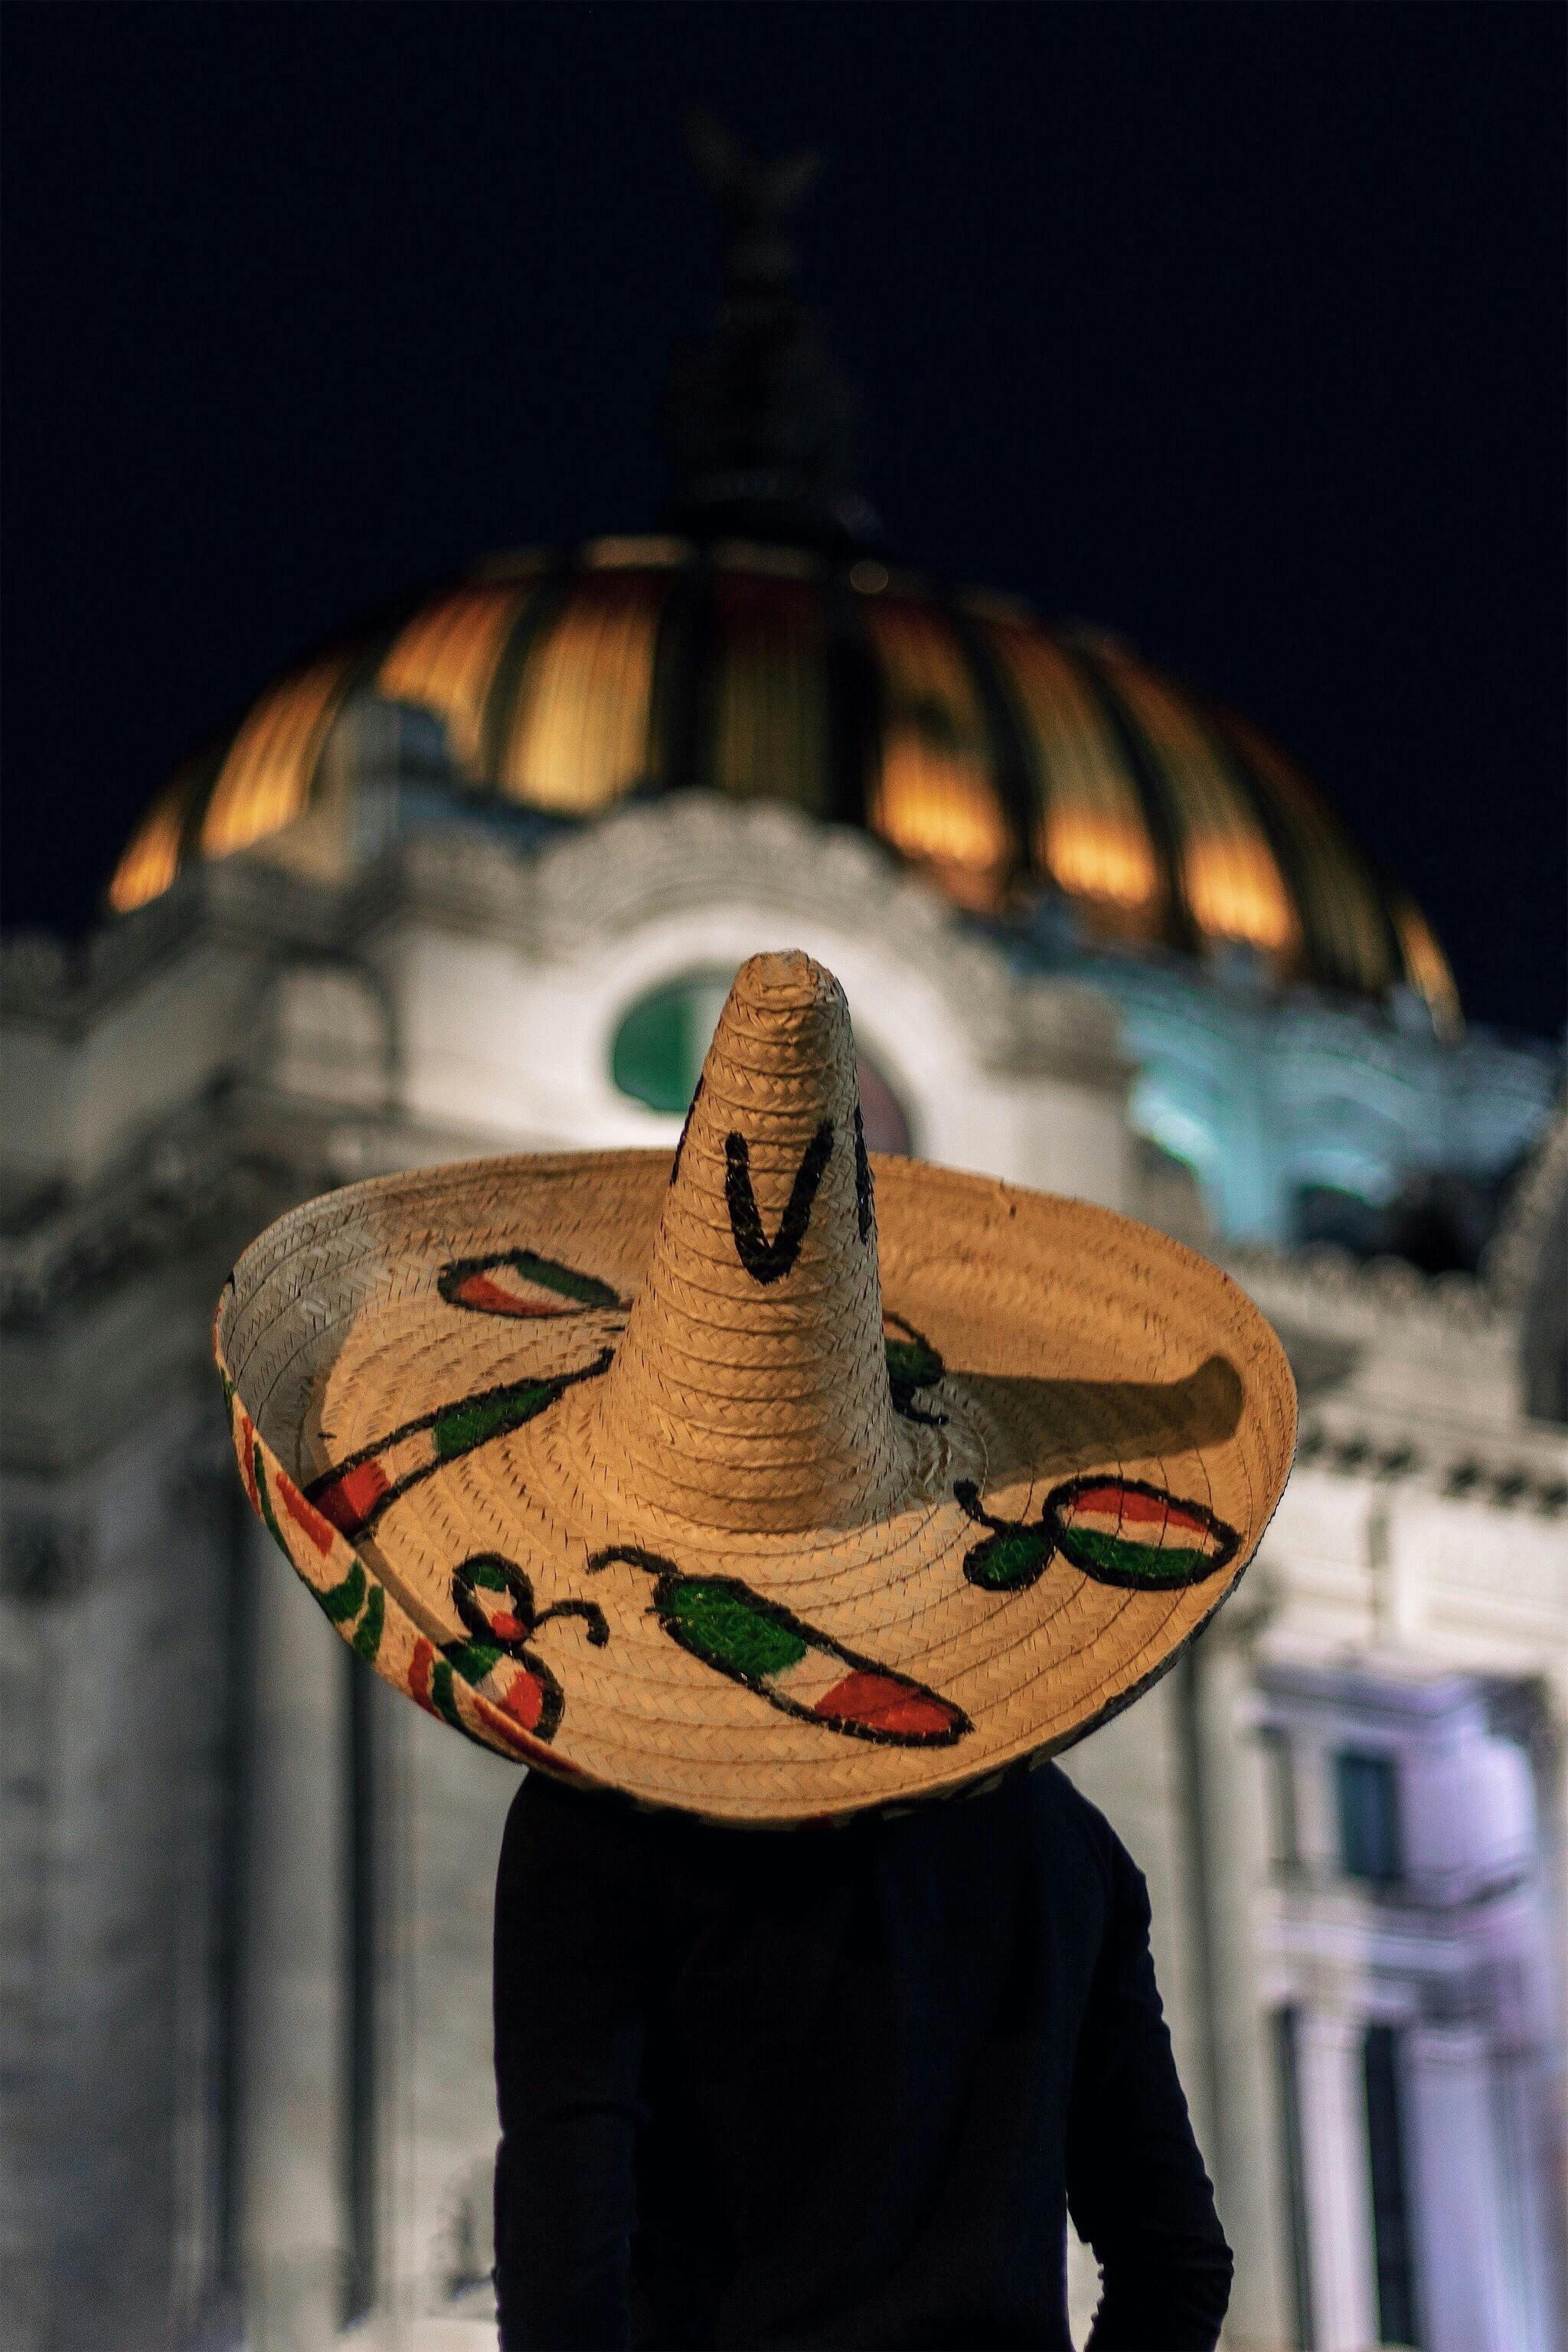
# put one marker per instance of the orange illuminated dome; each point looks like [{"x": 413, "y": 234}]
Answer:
[
  {"x": 1002, "y": 757},
  {"x": 766, "y": 653}
]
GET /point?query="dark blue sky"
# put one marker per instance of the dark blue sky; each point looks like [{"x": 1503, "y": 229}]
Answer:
[{"x": 1238, "y": 329}]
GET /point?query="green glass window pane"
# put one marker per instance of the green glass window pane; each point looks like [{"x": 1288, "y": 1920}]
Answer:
[
  {"x": 1279, "y": 1779},
  {"x": 658, "y": 1055},
  {"x": 650, "y": 1052}
]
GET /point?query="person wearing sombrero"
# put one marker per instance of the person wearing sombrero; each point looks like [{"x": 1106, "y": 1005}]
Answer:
[{"x": 758, "y": 1503}]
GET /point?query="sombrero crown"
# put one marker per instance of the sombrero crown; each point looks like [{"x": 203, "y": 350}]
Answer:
[
  {"x": 695, "y": 1482},
  {"x": 751, "y": 1391}
]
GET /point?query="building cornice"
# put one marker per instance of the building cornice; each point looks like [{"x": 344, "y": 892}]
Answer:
[
  {"x": 1523, "y": 1469},
  {"x": 1357, "y": 1297}
]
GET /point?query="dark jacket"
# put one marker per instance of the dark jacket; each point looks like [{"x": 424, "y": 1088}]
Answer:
[{"x": 838, "y": 2086}]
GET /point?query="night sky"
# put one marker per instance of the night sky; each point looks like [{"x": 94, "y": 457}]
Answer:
[{"x": 1237, "y": 328}]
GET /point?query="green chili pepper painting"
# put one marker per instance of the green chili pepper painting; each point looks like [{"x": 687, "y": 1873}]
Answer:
[
  {"x": 353, "y": 1493},
  {"x": 494, "y": 1599},
  {"x": 794, "y": 1667},
  {"x": 912, "y": 1364},
  {"x": 1120, "y": 1531}
]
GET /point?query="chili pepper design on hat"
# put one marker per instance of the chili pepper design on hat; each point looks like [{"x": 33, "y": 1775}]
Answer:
[
  {"x": 519, "y": 1282},
  {"x": 794, "y": 1667},
  {"x": 1120, "y": 1531},
  {"x": 494, "y": 1599},
  {"x": 355, "y": 1492},
  {"x": 1125, "y": 1531}
]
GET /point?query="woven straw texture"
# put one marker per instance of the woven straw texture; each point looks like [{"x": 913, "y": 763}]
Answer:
[{"x": 771, "y": 1485}]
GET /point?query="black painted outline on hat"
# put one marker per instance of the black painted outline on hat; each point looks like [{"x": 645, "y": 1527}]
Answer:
[
  {"x": 580, "y": 1294},
  {"x": 765, "y": 1261},
  {"x": 865, "y": 1192},
  {"x": 670, "y": 1578},
  {"x": 353, "y": 1523},
  {"x": 480, "y": 1649},
  {"x": 684, "y": 1130},
  {"x": 906, "y": 1381},
  {"x": 1210, "y": 1563},
  {"x": 985, "y": 1563}
]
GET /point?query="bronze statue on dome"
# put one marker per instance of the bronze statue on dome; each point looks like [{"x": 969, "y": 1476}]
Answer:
[
  {"x": 755, "y": 201},
  {"x": 760, "y": 425}
]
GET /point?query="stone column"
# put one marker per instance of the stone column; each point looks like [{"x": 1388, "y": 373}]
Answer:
[
  {"x": 294, "y": 1970},
  {"x": 1532, "y": 2186},
  {"x": 443, "y": 1806},
  {"x": 1133, "y": 1770},
  {"x": 1551, "y": 2157},
  {"x": 1462, "y": 2278},
  {"x": 1337, "y": 2179},
  {"x": 33, "y": 1680},
  {"x": 1245, "y": 2152}
]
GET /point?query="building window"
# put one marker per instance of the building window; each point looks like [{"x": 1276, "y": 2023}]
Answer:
[
  {"x": 660, "y": 1045},
  {"x": 1391, "y": 2246},
  {"x": 1287, "y": 2080},
  {"x": 1279, "y": 1785},
  {"x": 1368, "y": 1796}
]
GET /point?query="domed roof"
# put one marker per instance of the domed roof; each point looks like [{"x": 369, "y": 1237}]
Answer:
[
  {"x": 768, "y": 653},
  {"x": 1005, "y": 758}
]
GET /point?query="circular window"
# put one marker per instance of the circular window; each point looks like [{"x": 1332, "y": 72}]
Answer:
[{"x": 661, "y": 1044}]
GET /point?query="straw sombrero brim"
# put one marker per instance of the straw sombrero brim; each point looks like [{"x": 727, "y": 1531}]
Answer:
[{"x": 1096, "y": 1424}]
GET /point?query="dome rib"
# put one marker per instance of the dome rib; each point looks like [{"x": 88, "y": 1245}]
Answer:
[
  {"x": 165, "y": 838},
  {"x": 1231, "y": 879},
  {"x": 1092, "y": 842},
  {"x": 1013, "y": 776},
  {"x": 1351, "y": 942},
  {"x": 578, "y": 739},
  {"x": 1314, "y": 950},
  {"x": 934, "y": 796},
  {"x": 854, "y": 703},
  {"x": 538, "y": 611},
  {"x": 1160, "y": 818},
  {"x": 446, "y": 659},
  {"x": 770, "y": 717},
  {"x": 680, "y": 713}
]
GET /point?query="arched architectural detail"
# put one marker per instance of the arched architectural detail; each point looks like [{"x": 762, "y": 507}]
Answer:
[{"x": 973, "y": 1054}]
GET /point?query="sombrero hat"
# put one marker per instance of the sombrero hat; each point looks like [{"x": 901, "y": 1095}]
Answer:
[{"x": 771, "y": 1484}]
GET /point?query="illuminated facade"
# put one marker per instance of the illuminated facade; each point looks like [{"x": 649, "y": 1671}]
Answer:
[{"x": 475, "y": 881}]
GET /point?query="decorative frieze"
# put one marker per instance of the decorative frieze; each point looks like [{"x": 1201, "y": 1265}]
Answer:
[
  {"x": 1459, "y": 1475},
  {"x": 180, "y": 1193}
]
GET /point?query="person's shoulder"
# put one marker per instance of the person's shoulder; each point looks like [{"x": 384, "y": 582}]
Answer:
[
  {"x": 609, "y": 1830},
  {"x": 1064, "y": 1816},
  {"x": 549, "y": 1813}
]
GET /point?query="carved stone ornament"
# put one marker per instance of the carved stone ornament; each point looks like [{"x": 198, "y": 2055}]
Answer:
[{"x": 694, "y": 848}]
